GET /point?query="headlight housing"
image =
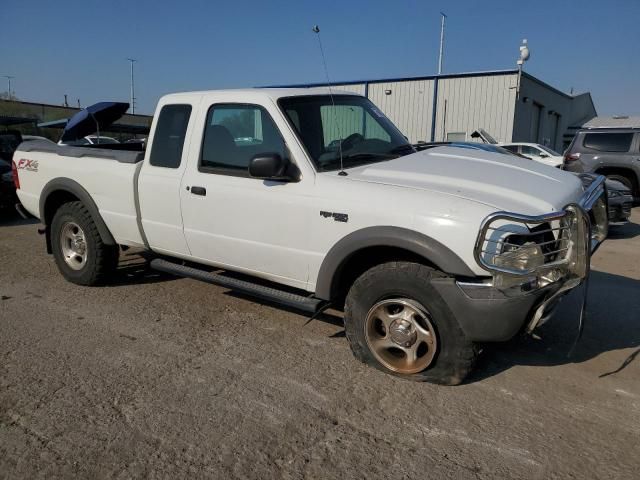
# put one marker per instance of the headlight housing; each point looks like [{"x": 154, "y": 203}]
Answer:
[
  {"x": 533, "y": 251},
  {"x": 526, "y": 252}
]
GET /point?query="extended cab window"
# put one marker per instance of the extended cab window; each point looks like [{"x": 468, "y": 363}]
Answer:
[
  {"x": 168, "y": 139},
  {"x": 234, "y": 134},
  {"x": 608, "y": 142}
]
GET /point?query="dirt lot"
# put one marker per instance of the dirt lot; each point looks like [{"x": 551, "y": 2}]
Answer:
[{"x": 170, "y": 378}]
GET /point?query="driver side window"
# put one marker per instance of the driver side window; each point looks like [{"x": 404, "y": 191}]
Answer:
[{"x": 234, "y": 134}]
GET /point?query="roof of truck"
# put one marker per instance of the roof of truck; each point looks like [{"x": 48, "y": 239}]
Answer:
[{"x": 274, "y": 93}]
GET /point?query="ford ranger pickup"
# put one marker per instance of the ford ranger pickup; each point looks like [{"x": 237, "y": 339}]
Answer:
[{"x": 314, "y": 199}]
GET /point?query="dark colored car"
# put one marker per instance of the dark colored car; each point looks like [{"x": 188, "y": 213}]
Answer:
[
  {"x": 8, "y": 197},
  {"x": 9, "y": 141},
  {"x": 620, "y": 202},
  {"x": 613, "y": 152}
]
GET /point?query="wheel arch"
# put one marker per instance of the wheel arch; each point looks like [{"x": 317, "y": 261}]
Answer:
[
  {"x": 628, "y": 172},
  {"x": 63, "y": 190},
  {"x": 370, "y": 246}
]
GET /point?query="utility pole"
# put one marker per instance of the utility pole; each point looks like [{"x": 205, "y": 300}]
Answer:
[
  {"x": 133, "y": 97},
  {"x": 443, "y": 18},
  {"x": 9, "y": 77}
]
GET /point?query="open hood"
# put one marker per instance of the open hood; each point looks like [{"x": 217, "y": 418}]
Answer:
[
  {"x": 486, "y": 138},
  {"x": 93, "y": 119}
]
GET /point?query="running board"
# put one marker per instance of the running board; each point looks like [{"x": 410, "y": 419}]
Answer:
[{"x": 300, "y": 302}]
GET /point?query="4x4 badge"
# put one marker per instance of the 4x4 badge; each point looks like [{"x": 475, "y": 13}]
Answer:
[{"x": 338, "y": 217}]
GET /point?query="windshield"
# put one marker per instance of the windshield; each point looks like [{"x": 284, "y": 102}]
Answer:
[
  {"x": 349, "y": 124},
  {"x": 549, "y": 151}
]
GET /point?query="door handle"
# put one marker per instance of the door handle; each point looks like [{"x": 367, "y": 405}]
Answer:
[{"x": 199, "y": 191}]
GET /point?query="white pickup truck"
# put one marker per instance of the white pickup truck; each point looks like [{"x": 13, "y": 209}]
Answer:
[{"x": 320, "y": 202}]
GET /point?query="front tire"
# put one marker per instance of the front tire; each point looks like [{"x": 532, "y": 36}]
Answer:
[
  {"x": 623, "y": 179},
  {"x": 81, "y": 255},
  {"x": 397, "y": 322}
]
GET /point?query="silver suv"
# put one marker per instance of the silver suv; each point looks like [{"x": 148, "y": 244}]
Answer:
[{"x": 613, "y": 152}]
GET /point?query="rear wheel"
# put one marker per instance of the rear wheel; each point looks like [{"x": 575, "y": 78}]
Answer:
[
  {"x": 397, "y": 322},
  {"x": 78, "y": 249}
]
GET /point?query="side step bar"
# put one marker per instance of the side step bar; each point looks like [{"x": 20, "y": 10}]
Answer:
[{"x": 300, "y": 302}]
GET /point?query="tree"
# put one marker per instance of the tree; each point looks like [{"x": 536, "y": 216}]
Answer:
[{"x": 8, "y": 96}]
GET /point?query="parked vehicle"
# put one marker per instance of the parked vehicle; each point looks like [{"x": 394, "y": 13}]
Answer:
[
  {"x": 613, "y": 152},
  {"x": 90, "y": 140},
  {"x": 620, "y": 202},
  {"x": 532, "y": 151},
  {"x": 8, "y": 197},
  {"x": 485, "y": 147},
  {"x": 9, "y": 141},
  {"x": 427, "y": 253},
  {"x": 535, "y": 151}
]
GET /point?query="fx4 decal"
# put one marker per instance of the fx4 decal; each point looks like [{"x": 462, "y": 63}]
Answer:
[
  {"x": 25, "y": 164},
  {"x": 338, "y": 217}
]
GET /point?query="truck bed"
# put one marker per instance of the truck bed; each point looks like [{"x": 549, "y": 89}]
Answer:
[{"x": 109, "y": 176}]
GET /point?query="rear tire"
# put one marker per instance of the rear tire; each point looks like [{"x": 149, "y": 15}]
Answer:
[
  {"x": 397, "y": 322},
  {"x": 81, "y": 255}
]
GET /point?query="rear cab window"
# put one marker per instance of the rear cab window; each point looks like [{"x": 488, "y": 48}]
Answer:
[
  {"x": 169, "y": 136},
  {"x": 608, "y": 141}
]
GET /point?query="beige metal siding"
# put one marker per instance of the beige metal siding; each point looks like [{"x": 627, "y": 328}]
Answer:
[
  {"x": 486, "y": 102},
  {"x": 408, "y": 106},
  {"x": 358, "y": 88},
  {"x": 558, "y": 112}
]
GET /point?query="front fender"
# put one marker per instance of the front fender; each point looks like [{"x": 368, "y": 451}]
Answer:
[{"x": 386, "y": 236}]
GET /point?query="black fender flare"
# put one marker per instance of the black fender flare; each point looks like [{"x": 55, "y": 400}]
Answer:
[
  {"x": 73, "y": 187},
  {"x": 386, "y": 236}
]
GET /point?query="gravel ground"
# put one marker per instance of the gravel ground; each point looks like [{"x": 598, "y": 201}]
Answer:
[{"x": 161, "y": 377}]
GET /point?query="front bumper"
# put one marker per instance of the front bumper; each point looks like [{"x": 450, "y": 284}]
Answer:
[
  {"x": 486, "y": 314},
  {"x": 620, "y": 209},
  {"x": 500, "y": 307}
]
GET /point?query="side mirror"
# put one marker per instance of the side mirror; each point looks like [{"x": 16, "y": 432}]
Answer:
[
  {"x": 543, "y": 155},
  {"x": 269, "y": 166}
]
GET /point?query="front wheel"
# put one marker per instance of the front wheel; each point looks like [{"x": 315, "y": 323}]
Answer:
[
  {"x": 81, "y": 255},
  {"x": 397, "y": 322}
]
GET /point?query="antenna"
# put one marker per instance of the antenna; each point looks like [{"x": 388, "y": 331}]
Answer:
[
  {"x": 133, "y": 97},
  {"x": 316, "y": 30}
]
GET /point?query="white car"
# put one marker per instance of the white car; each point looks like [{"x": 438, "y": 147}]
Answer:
[
  {"x": 427, "y": 253},
  {"x": 91, "y": 140},
  {"x": 536, "y": 152}
]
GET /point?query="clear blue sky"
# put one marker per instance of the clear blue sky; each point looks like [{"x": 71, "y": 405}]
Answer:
[{"x": 79, "y": 47}]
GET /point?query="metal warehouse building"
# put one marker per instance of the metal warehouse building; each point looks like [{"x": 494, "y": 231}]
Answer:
[{"x": 451, "y": 107}]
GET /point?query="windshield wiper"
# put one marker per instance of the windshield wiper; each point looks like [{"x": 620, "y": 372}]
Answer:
[{"x": 356, "y": 159}]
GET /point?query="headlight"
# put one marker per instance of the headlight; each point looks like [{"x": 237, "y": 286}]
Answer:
[
  {"x": 527, "y": 257},
  {"x": 531, "y": 252}
]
